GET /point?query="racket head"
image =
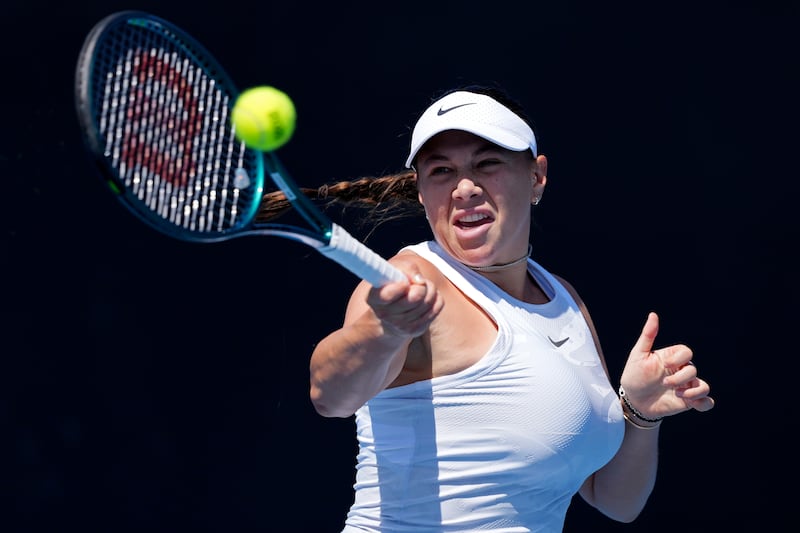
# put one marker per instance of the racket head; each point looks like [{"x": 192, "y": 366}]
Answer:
[{"x": 154, "y": 108}]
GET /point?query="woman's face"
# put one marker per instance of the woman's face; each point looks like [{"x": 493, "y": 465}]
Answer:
[{"x": 477, "y": 196}]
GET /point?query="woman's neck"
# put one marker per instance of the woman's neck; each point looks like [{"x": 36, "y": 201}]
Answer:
[{"x": 503, "y": 266}]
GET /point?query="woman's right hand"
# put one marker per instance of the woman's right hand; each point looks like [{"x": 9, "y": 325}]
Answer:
[{"x": 406, "y": 308}]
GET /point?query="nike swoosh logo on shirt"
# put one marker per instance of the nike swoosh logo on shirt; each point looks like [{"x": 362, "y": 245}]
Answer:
[
  {"x": 442, "y": 110},
  {"x": 558, "y": 344}
]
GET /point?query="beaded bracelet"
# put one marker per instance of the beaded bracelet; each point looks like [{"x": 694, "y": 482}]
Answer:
[
  {"x": 637, "y": 424},
  {"x": 633, "y": 410}
]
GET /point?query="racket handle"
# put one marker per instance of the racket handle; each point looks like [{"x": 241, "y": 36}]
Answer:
[{"x": 358, "y": 259}]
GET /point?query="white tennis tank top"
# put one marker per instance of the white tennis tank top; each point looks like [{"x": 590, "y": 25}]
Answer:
[{"x": 502, "y": 445}]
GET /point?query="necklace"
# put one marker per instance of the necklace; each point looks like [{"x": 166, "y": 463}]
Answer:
[{"x": 495, "y": 268}]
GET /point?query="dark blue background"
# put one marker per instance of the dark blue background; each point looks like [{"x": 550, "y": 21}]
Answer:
[{"x": 154, "y": 385}]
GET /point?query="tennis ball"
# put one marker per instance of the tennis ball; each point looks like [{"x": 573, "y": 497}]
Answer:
[{"x": 264, "y": 118}]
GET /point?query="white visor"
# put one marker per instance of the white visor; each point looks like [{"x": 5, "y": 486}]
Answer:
[{"x": 475, "y": 113}]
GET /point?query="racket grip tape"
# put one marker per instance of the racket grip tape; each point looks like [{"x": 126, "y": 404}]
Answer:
[{"x": 359, "y": 259}]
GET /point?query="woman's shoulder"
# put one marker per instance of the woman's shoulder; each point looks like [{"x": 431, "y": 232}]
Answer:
[{"x": 414, "y": 256}]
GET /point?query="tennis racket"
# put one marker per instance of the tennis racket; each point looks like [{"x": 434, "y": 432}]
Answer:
[{"x": 154, "y": 107}]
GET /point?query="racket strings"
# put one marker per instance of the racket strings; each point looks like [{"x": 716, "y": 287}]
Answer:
[{"x": 166, "y": 127}]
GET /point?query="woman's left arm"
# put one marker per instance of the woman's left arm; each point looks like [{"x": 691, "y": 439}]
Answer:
[{"x": 654, "y": 384}]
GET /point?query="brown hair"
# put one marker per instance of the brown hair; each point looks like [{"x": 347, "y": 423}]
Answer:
[{"x": 385, "y": 197}]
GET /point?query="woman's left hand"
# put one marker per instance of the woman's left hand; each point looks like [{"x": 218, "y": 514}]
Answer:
[{"x": 663, "y": 382}]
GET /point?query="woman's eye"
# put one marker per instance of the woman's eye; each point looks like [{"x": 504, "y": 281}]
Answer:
[
  {"x": 487, "y": 163},
  {"x": 439, "y": 170}
]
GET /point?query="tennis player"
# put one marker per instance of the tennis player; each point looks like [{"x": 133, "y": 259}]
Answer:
[{"x": 480, "y": 391}]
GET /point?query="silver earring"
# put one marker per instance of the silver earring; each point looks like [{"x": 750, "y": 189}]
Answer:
[{"x": 536, "y": 201}]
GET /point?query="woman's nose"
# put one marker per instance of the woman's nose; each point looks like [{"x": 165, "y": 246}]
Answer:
[{"x": 466, "y": 188}]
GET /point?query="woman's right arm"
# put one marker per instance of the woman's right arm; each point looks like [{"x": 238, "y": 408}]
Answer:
[{"x": 364, "y": 356}]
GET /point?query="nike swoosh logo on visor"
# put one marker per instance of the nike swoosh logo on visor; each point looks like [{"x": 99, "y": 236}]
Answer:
[{"x": 442, "y": 110}]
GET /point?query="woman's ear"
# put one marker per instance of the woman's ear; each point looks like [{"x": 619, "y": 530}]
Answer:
[
  {"x": 419, "y": 197},
  {"x": 416, "y": 181},
  {"x": 539, "y": 179},
  {"x": 421, "y": 200}
]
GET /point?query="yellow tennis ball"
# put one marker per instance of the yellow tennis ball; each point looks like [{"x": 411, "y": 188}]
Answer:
[{"x": 264, "y": 118}]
